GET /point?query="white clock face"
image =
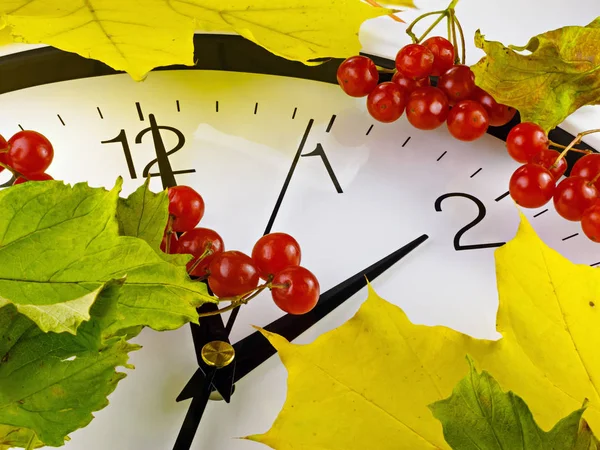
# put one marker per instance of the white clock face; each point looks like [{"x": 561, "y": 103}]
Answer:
[{"x": 360, "y": 190}]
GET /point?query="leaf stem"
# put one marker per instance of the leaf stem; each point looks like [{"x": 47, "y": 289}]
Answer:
[
  {"x": 575, "y": 141},
  {"x": 31, "y": 442},
  {"x": 392, "y": 16}
]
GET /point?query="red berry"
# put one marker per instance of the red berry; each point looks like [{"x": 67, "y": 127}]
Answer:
[
  {"x": 573, "y": 196},
  {"x": 295, "y": 290},
  {"x": 408, "y": 84},
  {"x": 587, "y": 167},
  {"x": 357, "y": 76},
  {"x": 467, "y": 120},
  {"x": 200, "y": 242},
  {"x": 427, "y": 108},
  {"x": 172, "y": 244},
  {"x": 526, "y": 140},
  {"x": 414, "y": 61},
  {"x": 232, "y": 273},
  {"x": 3, "y": 146},
  {"x": 33, "y": 177},
  {"x": 531, "y": 186},
  {"x": 186, "y": 206},
  {"x": 590, "y": 222},
  {"x": 386, "y": 102},
  {"x": 547, "y": 158},
  {"x": 498, "y": 113},
  {"x": 274, "y": 252},
  {"x": 29, "y": 152},
  {"x": 458, "y": 83},
  {"x": 443, "y": 54}
]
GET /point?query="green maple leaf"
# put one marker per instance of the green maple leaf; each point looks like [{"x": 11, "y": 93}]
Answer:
[
  {"x": 50, "y": 383},
  {"x": 560, "y": 73},
  {"x": 138, "y": 36},
  {"x": 12, "y": 437},
  {"x": 144, "y": 214},
  {"x": 479, "y": 415},
  {"x": 60, "y": 246}
]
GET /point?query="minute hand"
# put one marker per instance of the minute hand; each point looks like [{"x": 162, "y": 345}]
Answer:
[{"x": 254, "y": 349}]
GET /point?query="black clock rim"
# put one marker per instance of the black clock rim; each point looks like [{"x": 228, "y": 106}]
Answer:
[{"x": 225, "y": 52}]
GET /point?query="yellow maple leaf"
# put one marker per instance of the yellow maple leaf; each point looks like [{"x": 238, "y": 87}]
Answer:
[
  {"x": 138, "y": 36},
  {"x": 368, "y": 383}
]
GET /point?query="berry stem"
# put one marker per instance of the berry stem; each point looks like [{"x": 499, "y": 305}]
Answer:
[
  {"x": 207, "y": 251},
  {"x": 169, "y": 233},
  {"x": 409, "y": 30},
  {"x": 593, "y": 180},
  {"x": 577, "y": 150},
  {"x": 377, "y": 5},
  {"x": 463, "y": 46},
  {"x": 575, "y": 141},
  {"x": 445, "y": 13},
  {"x": 235, "y": 302}
]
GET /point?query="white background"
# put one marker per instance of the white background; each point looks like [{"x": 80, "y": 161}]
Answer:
[{"x": 143, "y": 418}]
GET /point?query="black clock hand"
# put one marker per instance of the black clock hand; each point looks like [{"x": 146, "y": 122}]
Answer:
[
  {"x": 206, "y": 378},
  {"x": 254, "y": 349}
]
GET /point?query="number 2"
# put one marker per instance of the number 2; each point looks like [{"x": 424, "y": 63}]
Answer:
[{"x": 463, "y": 230}]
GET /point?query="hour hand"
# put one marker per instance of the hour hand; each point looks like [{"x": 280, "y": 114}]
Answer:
[{"x": 253, "y": 350}]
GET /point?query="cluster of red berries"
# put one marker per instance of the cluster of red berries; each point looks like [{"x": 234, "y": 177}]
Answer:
[
  {"x": 233, "y": 275},
  {"x": 536, "y": 182},
  {"x": 27, "y": 154},
  {"x": 466, "y": 109}
]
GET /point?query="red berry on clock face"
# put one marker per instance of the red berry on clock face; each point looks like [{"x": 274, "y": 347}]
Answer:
[
  {"x": 467, "y": 120},
  {"x": 443, "y": 54},
  {"x": 414, "y": 61},
  {"x": 458, "y": 83},
  {"x": 29, "y": 152},
  {"x": 232, "y": 274},
  {"x": 427, "y": 108},
  {"x": 295, "y": 290},
  {"x": 274, "y": 252},
  {"x": 172, "y": 245},
  {"x": 498, "y": 113},
  {"x": 548, "y": 158},
  {"x": 202, "y": 243},
  {"x": 526, "y": 140},
  {"x": 531, "y": 186},
  {"x": 386, "y": 102},
  {"x": 3, "y": 146},
  {"x": 408, "y": 84},
  {"x": 590, "y": 222},
  {"x": 573, "y": 196},
  {"x": 587, "y": 167},
  {"x": 357, "y": 76},
  {"x": 186, "y": 206}
]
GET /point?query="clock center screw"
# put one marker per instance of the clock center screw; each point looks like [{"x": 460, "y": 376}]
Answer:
[{"x": 218, "y": 354}]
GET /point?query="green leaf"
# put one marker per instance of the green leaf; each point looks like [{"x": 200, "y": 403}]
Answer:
[
  {"x": 144, "y": 215},
  {"x": 479, "y": 415},
  {"x": 60, "y": 245},
  {"x": 11, "y": 437},
  {"x": 559, "y": 74},
  {"x": 51, "y": 383}
]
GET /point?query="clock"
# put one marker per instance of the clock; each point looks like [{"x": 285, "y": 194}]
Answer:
[{"x": 273, "y": 145}]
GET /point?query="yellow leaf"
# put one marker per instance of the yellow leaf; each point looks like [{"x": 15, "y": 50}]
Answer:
[
  {"x": 5, "y": 36},
  {"x": 137, "y": 36},
  {"x": 368, "y": 383}
]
